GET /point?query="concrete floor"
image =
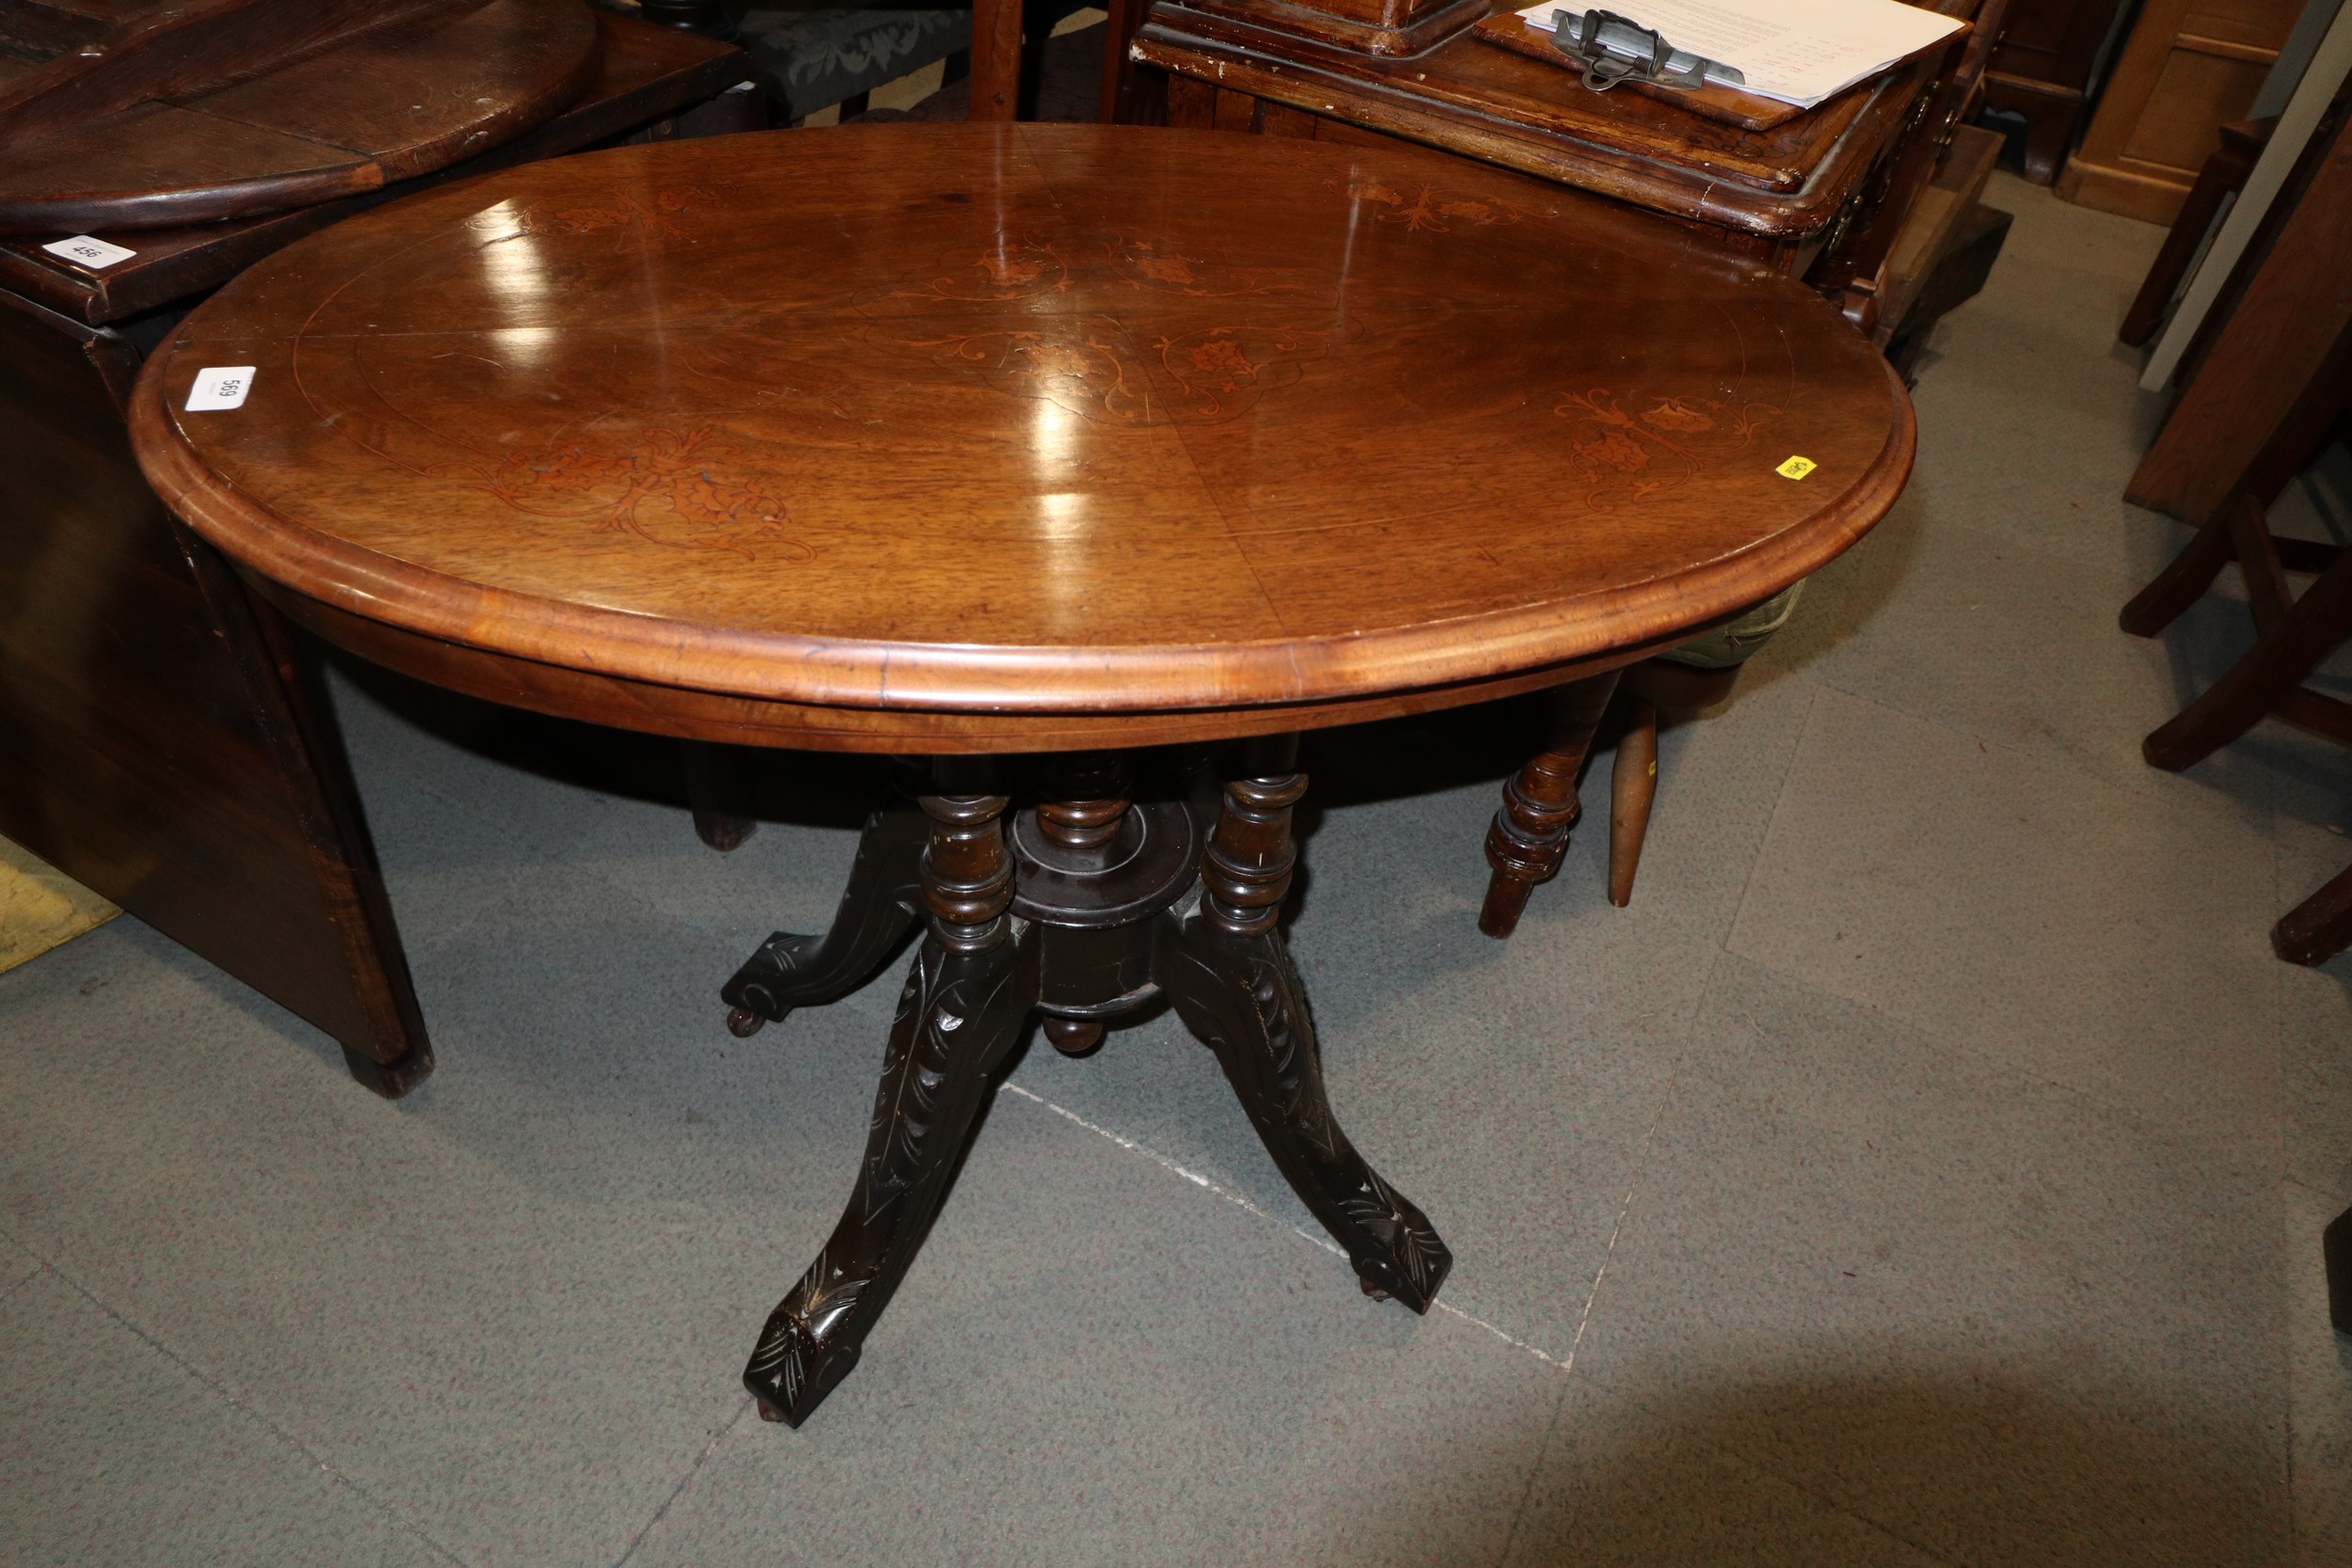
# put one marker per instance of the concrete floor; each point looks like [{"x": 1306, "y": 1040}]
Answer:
[{"x": 1928, "y": 1168}]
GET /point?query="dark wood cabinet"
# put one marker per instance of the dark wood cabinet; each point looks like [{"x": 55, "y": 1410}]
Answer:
[
  {"x": 162, "y": 741},
  {"x": 2041, "y": 69},
  {"x": 2188, "y": 67}
]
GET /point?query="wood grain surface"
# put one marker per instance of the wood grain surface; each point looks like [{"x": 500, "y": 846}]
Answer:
[
  {"x": 643, "y": 73},
  {"x": 980, "y": 429},
  {"x": 392, "y": 102}
]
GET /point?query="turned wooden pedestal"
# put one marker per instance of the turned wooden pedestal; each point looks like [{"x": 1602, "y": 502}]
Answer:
[{"x": 1083, "y": 911}]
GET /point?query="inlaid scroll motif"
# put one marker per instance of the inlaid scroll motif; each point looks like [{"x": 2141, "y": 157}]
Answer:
[
  {"x": 1090, "y": 366},
  {"x": 1223, "y": 370},
  {"x": 634, "y": 212},
  {"x": 1162, "y": 266},
  {"x": 666, "y": 486},
  {"x": 1628, "y": 455},
  {"x": 1427, "y": 209},
  {"x": 1006, "y": 270}
]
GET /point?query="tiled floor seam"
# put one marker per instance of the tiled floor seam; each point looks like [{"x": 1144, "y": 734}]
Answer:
[
  {"x": 1780, "y": 796},
  {"x": 1625, "y": 1206},
  {"x": 1238, "y": 1201},
  {"x": 222, "y": 1393},
  {"x": 683, "y": 1481},
  {"x": 1633, "y": 1182},
  {"x": 35, "y": 1273},
  {"x": 1534, "y": 1468}
]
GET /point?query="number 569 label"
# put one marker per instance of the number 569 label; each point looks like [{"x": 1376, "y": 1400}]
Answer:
[{"x": 220, "y": 387}]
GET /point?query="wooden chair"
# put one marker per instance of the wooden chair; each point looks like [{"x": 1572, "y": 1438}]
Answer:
[
  {"x": 2226, "y": 172},
  {"x": 1529, "y": 838},
  {"x": 2292, "y": 636},
  {"x": 996, "y": 52}
]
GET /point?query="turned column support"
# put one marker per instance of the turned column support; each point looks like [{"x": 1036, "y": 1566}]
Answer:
[
  {"x": 967, "y": 876},
  {"x": 1246, "y": 872}
]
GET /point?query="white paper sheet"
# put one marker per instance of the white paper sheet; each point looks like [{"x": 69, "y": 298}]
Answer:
[{"x": 1796, "y": 51}]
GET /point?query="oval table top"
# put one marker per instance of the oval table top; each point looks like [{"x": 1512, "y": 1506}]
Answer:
[
  {"x": 389, "y": 104},
  {"x": 1001, "y": 436}
]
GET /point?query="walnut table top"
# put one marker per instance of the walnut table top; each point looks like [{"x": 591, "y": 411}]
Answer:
[{"x": 988, "y": 437}]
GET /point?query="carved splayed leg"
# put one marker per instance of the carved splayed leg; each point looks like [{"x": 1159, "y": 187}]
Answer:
[
  {"x": 966, "y": 999},
  {"x": 883, "y": 898},
  {"x": 1223, "y": 962}
]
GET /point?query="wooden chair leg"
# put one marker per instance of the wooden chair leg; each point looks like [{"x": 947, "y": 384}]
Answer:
[
  {"x": 1117, "y": 106},
  {"x": 2320, "y": 927},
  {"x": 2336, "y": 1245},
  {"x": 718, "y": 781},
  {"x": 2047, "y": 129},
  {"x": 2183, "y": 583},
  {"x": 1529, "y": 835},
  {"x": 2225, "y": 171},
  {"x": 995, "y": 60},
  {"x": 2286, "y": 653},
  {"x": 1632, "y": 785}
]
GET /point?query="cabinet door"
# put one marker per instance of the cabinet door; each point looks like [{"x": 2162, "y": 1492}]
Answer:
[{"x": 2189, "y": 67}]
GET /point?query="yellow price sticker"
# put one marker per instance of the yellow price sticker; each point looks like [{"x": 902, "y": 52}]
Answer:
[{"x": 1796, "y": 468}]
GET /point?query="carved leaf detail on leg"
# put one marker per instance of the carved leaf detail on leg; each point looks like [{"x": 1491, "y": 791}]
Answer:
[
  {"x": 1405, "y": 1233},
  {"x": 935, "y": 1077},
  {"x": 877, "y": 907},
  {"x": 1240, "y": 994}
]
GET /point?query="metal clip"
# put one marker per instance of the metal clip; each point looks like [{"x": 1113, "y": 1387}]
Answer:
[{"x": 1614, "y": 49}]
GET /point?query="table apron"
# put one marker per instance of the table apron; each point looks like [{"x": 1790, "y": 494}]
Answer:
[{"x": 691, "y": 714}]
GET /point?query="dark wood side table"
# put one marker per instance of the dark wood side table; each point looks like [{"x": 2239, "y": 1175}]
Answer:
[
  {"x": 159, "y": 741},
  {"x": 1823, "y": 195},
  {"x": 1053, "y": 443}
]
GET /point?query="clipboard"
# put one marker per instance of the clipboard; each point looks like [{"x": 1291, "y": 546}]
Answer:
[{"x": 1746, "y": 110}]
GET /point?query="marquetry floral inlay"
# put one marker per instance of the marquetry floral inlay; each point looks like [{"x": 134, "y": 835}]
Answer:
[
  {"x": 1625, "y": 456},
  {"x": 666, "y": 486},
  {"x": 634, "y": 212},
  {"x": 1426, "y": 209}
]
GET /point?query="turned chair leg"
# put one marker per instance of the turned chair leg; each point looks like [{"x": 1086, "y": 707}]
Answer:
[
  {"x": 1529, "y": 835},
  {"x": 718, "y": 780},
  {"x": 995, "y": 60},
  {"x": 1632, "y": 785}
]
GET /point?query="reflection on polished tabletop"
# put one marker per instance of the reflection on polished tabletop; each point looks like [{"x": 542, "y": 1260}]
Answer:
[
  {"x": 968, "y": 441},
  {"x": 1161, "y": 421}
]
